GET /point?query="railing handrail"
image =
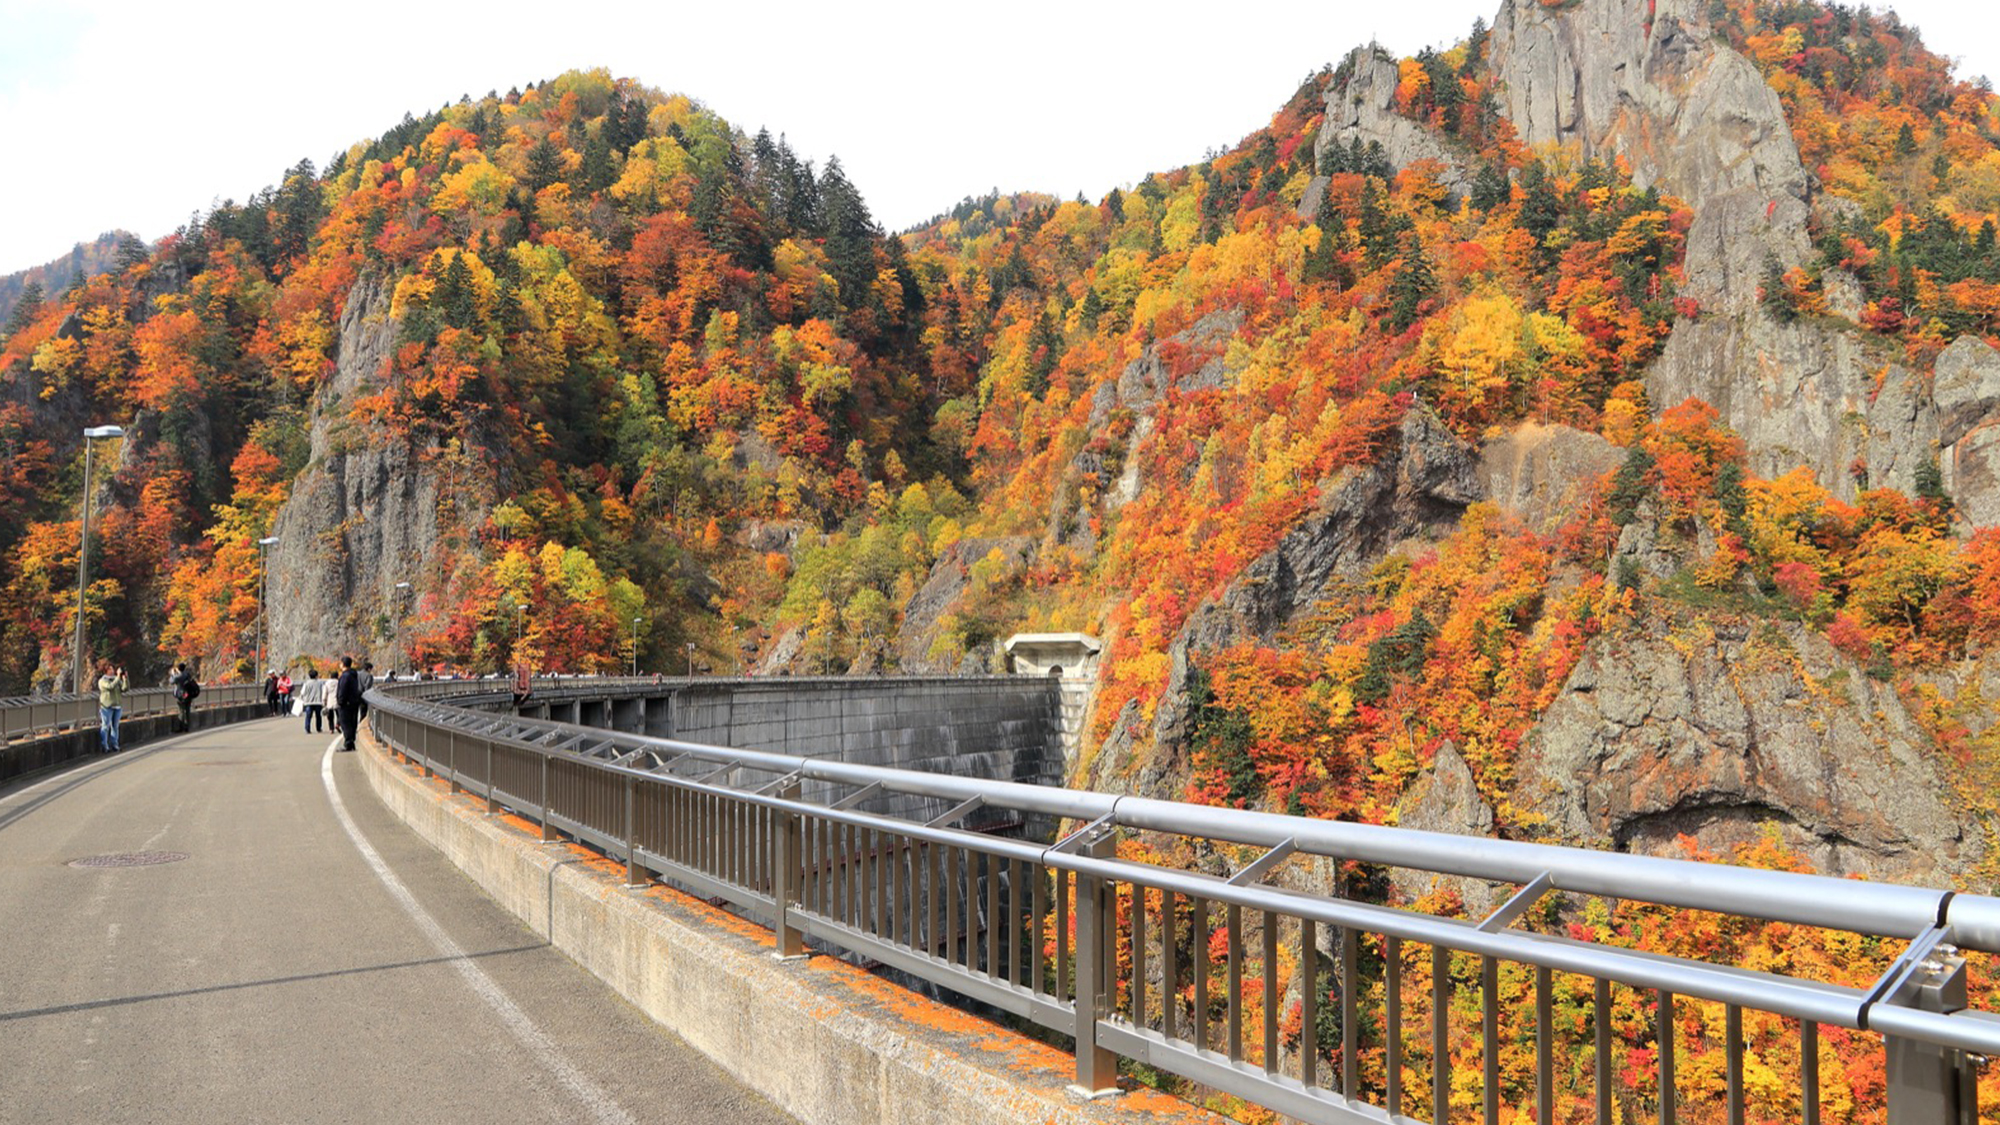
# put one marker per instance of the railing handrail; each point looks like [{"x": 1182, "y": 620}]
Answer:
[
  {"x": 1878, "y": 909},
  {"x": 1923, "y": 916}
]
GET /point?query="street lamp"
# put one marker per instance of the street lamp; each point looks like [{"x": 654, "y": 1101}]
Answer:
[
  {"x": 635, "y": 648},
  {"x": 263, "y": 594},
  {"x": 690, "y": 660},
  {"x": 83, "y": 547}
]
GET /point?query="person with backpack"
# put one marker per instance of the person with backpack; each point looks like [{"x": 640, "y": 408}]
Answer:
[
  {"x": 347, "y": 701},
  {"x": 186, "y": 688}
]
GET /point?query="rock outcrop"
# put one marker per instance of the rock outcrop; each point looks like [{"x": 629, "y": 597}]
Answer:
[
  {"x": 1416, "y": 490},
  {"x": 1539, "y": 474},
  {"x": 1648, "y": 81},
  {"x": 1966, "y": 394},
  {"x": 1363, "y": 108},
  {"x": 1723, "y": 730},
  {"x": 364, "y": 515}
]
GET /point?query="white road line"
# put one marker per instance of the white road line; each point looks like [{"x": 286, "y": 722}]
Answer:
[{"x": 601, "y": 1105}]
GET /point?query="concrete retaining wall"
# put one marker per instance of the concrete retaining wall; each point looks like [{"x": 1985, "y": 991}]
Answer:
[{"x": 825, "y": 1041}]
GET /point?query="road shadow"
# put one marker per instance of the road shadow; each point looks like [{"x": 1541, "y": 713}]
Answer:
[{"x": 331, "y": 974}]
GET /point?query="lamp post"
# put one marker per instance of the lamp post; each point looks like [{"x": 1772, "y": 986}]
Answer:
[
  {"x": 690, "y": 647},
  {"x": 635, "y": 648},
  {"x": 83, "y": 546},
  {"x": 263, "y": 593},
  {"x": 520, "y": 625}
]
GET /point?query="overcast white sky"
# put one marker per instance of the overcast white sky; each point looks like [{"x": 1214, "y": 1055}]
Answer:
[{"x": 136, "y": 114}]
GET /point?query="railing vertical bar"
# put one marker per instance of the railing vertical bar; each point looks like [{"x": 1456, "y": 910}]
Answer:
[
  {"x": 1733, "y": 1056},
  {"x": 1440, "y": 1035},
  {"x": 1138, "y": 938},
  {"x": 934, "y": 935},
  {"x": 951, "y": 897},
  {"x": 1233, "y": 1041},
  {"x": 1392, "y": 1022},
  {"x": 1310, "y": 996},
  {"x": 1545, "y": 1066},
  {"x": 1017, "y": 878},
  {"x": 1198, "y": 1025},
  {"x": 1350, "y": 1023},
  {"x": 548, "y": 829},
  {"x": 1809, "y": 1072},
  {"x": 1062, "y": 934},
  {"x": 1663, "y": 1030},
  {"x": 1170, "y": 961},
  {"x": 1489, "y": 1034},
  {"x": 993, "y": 868},
  {"x": 1601, "y": 1031},
  {"x": 882, "y": 873},
  {"x": 1039, "y": 911},
  {"x": 1270, "y": 976}
]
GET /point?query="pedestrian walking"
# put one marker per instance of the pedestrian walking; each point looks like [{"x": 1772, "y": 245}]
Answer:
[
  {"x": 347, "y": 701},
  {"x": 271, "y": 693},
  {"x": 312, "y": 696},
  {"x": 367, "y": 682},
  {"x": 178, "y": 681},
  {"x": 111, "y": 685},
  {"x": 284, "y": 690},
  {"x": 185, "y": 692}
]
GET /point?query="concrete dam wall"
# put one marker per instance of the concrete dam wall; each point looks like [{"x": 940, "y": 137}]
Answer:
[{"x": 1002, "y": 728}]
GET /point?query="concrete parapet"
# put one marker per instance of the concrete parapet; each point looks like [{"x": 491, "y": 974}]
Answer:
[{"x": 823, "y": 1040}]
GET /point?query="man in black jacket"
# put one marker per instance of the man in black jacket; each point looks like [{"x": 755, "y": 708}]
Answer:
[{"x": 347, "y": 696}]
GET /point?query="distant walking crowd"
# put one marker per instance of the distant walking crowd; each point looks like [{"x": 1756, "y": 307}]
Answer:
[{"x": 337, "y": 701}]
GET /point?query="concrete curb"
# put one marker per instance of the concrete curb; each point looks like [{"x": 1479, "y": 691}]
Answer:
[{"x": 823, "y": 1040}]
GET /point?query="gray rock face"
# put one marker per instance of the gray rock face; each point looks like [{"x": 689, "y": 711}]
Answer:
[
  {"x": 1724, "y": 731},
  {"x": 1694, "y": 117},
  {"x": 1364, "y": 108},
  {"x": 1447, "y": 800},
  {"x": 363, "y": 516},
  {"x": 1539, "y": 474},
  {"x": 1967, "y": 393},
  {"x": 1688, "y": 113}
]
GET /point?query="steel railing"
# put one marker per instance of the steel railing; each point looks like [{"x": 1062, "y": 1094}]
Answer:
[
  {"x": 34, "y": 716},
  {"x": 1180, "y": 969}
]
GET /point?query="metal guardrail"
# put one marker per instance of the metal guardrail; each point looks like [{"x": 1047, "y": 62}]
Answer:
[
  {"x": 1178, "y": 969},
  {"x": 34, "y": 716}
]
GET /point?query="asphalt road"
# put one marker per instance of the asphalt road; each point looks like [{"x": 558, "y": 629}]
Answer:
[{"x": 308, "y": 960}]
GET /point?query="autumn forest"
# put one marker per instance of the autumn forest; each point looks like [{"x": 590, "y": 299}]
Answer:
[{"x": 665, "y": 385}]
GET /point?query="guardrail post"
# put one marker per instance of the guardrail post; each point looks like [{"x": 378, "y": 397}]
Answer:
[
  {"x": 451, "y": 759},
  {"x": 785, "y": 879},
  {"x": 548, "y": 829},
  {"x": 632, "y": 878},
  {"x": 492, "y": 799},
  {"x": 1096, "y": 1067},
  {"x": 1929, "y": 1084}
]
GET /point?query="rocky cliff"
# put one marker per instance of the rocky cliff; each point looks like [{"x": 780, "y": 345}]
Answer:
[
  {"x": 368, "y": 512},
  {"x": 1724, "y": 729},
  {"x": 1648, "y": 81}
]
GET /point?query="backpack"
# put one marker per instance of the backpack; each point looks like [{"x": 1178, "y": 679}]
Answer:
[{"x": 188, "y": 689}]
